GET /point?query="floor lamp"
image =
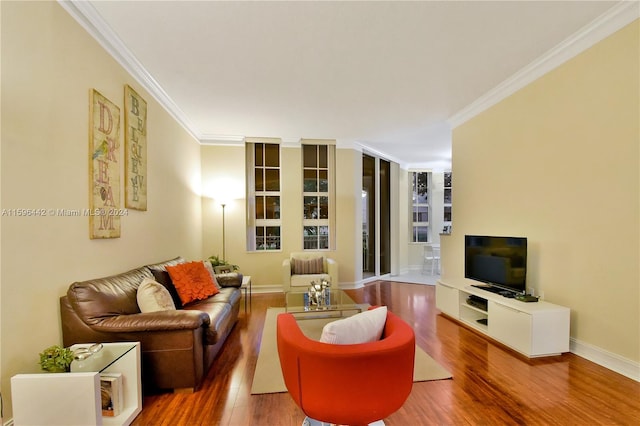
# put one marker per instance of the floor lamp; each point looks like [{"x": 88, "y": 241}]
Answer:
[{"x": 224, "y": 257}]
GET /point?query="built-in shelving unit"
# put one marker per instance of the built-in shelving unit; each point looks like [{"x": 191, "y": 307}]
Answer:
[{"x": 475, "y": 315}]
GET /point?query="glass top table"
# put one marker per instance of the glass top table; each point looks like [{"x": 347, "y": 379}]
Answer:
[
  {"x": 338, "y": 303},
  {"x": 102, "y": 359}
]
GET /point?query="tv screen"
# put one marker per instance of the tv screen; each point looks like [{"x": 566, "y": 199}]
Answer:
[{"x": 498, "y": 261}]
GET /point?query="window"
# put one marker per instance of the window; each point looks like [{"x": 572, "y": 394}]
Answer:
[
  {"x": 263, "y": 189},
  {"x": 447, "y": 203},
  {"x": 420, "y": 206},
  {"x": 318, "y": 161}
]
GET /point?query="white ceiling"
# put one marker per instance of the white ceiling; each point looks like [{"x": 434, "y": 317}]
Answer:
[{"x": 386, "y": 75}]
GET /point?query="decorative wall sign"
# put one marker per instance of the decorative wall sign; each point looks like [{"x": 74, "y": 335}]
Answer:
[
  {"x": 104, "y": 171},
  {"x": 135, "y": 145}
]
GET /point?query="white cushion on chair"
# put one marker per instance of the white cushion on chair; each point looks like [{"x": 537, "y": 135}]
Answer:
[{"x": 364, "y": 327}]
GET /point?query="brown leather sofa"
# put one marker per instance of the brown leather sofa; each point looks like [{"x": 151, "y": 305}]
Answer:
[{"x": 178, "y": 347}]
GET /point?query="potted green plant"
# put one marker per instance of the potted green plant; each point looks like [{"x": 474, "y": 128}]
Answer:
[
  {"x": 221, "y": 265},
  {"x": 56, "y": 359}
]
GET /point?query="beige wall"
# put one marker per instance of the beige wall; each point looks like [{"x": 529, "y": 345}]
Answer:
[
  {"x": 558, "y": 162},
  {"x": 406, "y": 258},
  {"x": 49, "y": 65},
  {"x": 226, "y": 164},
  {"x": 223, "y": 176},
  {"x": 349, "y": 215}
]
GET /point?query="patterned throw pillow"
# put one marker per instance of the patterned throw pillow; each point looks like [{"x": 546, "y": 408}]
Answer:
[
  {"x": 192, "y": 281},
  {"x": 308, "y": 266},
  {"x": 153, "y": 296}
]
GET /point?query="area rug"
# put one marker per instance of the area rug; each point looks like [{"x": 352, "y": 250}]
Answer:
[{"x": 268, "y": 376}]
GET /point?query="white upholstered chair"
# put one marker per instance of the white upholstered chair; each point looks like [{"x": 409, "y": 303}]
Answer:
[{"x": 303, "y": 267}]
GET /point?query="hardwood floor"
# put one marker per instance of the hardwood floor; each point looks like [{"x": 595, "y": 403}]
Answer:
[{"x": 491, "y": 385}]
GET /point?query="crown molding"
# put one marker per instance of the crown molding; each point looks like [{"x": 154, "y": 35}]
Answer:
[
  {"x": 611, "y": 21},
  {"x": 208, "y": 139},
  {"x": 231, "y": 140},
  {"x": 291, "y": 142},
  {"x": 614, "y": 19},
  {"x": 377, "y": 153},
  {"x": 89, "y": 18},
  {"x": 433, "y": 166}
]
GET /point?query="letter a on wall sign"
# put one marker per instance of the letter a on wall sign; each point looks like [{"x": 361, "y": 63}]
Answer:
[
  {"x": 104, "y": 169},
  {"x": 135, "y": 147}
]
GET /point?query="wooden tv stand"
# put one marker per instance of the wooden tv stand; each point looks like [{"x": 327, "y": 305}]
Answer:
[{"x": 533, "y": 329}]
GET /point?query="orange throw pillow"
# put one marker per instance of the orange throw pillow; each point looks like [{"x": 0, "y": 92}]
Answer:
[{"x": 192, "y": 281}]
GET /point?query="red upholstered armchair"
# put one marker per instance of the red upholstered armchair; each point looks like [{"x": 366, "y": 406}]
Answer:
[{"x": 347, "y": 384}]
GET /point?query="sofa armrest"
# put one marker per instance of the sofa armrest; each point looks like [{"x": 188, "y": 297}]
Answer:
[
  {"x": 154, "y": 321},
  {"x": 286, "y": 275},
  {"x": 332, "y": 270},
  {"x": 230, "y": 279}
]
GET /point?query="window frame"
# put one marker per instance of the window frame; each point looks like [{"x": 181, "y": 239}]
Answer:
[
  {"x": 319, "y": 223},
  {"x": 447, "y": 200},
  {"x": 253, "y": 221},
  {"x": 414, "y": 206}
]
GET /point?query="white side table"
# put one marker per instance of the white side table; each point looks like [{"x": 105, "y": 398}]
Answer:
[
  {"x": 74, "y": 398},
  {"x": 246, "y": 284}
]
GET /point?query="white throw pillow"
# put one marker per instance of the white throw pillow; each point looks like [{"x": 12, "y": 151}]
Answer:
[
  {"x": 153, "y": 296},
  {"x": 364, "y": 327}
]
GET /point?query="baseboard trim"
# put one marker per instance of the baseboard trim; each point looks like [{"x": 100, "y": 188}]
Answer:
[
  {"x": 267, "y": 289},
  {"x": 277, "y": 288},
  {"x": 354, "y": 285},
  {"x": 614, "y": 362}
]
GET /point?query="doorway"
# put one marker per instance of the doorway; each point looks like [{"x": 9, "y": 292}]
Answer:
[{"x": 376, "y": 216}]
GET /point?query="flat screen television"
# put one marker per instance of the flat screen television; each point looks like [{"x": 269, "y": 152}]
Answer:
[{"x": 500, "y": 262}]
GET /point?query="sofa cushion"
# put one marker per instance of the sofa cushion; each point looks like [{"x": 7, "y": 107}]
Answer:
[
  {"x": 227, "y": 295},
  {"x": 221, "y": 318},
  {"x": 162, "y": 266},
  {"x": 307, "y": 266},
  {"x": 153, "y": 296},
  {"x": 100, "y": 298},
  {"x": 364, "y": 327},
  {"x": 192, "y": 281}
]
